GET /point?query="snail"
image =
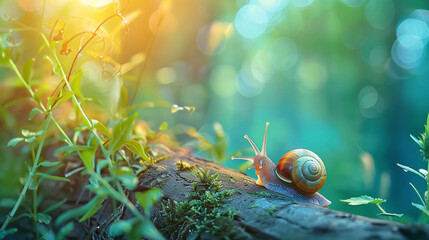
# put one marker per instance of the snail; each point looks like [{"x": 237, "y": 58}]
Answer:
[{"x": 300, "y": 173}]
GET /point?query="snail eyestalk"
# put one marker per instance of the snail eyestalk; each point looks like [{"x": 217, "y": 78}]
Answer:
[
  {"x": 252, "y": 159},
  {"x": 255, "y": 148},
  {"x": 264, "y": 144}
]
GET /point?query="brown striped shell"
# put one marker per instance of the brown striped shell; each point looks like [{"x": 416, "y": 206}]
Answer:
[{"x": 304, "y": 169}]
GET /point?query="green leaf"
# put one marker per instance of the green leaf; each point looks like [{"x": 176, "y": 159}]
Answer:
[
  {"x": 93, "y": 210},
  {"x": 34, "y": 112},
  {"x": 120, "y": 133},
  {"x": 30, "y": 139},
  {"x": 148, "y": 198},
  {"x": 408, "y": 169},
  {"x": 144, "y": 228},
  {"x": 4, "y": 233},
  {"x": 56, "y": 101},
  {"x": 55, "y": 206},
  {"x": 100, "y": 127},
  {"x": 163, "y": 126},
  {"x": 417, "y": 141},
  {"x": 75, "y": 84},
  {"x": 7, "y": 202},
  {"x": 84, "y": 210},
  {"x": 27, "y": 70},
  {"x": 391, "y": 214},
  {"x": 88, "y": 157},
  {"x": 52, "y": 177},
  {"x": 73, "y": 148},
  {"x": 362, "y": 200},
  {"x": 122, "y": 226},
  {"x": 43, "y": 218},
  {"x": 64, "y": 231},
  {"x": 26, "y": 133},
  {"x": 137, "y": 148},
  {"x": 48, "y": 164},
  {"x": 14, "y": 141},
  {"x": 130, "y": 181},
  {"x": 421, "y": 208}
]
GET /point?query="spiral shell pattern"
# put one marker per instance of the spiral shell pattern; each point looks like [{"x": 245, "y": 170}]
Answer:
[{"x": 304, "y": 169}]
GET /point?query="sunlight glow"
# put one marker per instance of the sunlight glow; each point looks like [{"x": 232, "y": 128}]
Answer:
[{"x": 97, "y": 3}]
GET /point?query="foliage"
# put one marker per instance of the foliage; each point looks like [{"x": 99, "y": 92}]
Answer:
[
  {"x": 112, "y": 155},
  {"x": 203, "y": 212},
  {"x": 363, "y": 200},
  {"x": 422, "y": 173},
  {"x": 183, "y": 166},
  {"x": 423, "y": 143}
]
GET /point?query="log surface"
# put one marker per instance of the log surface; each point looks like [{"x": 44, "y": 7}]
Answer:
[{"x": 290, "y": 219}]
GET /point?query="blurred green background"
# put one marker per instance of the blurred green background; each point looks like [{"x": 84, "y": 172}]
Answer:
[{"x": 347, "y": 79}]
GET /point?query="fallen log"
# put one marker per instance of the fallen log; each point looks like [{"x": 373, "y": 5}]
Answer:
[
  {"x": 272, "y": 215},
  {"x": 260, "y": 213}
]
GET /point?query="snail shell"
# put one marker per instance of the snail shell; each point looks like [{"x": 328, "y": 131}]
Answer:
[{"x": 304, "y": 169}]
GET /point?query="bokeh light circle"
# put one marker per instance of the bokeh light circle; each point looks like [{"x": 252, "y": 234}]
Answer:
[
  {"x": 312, "y": 76},
  {"x": 353, "y": 3},
  {"x": 251, "y": 21},
  {"x": 248, "y": 84},
  {"x": 222, "y": 80},
  {"x": 380, "y": 13},
  {"x": 271, "y": 5},
  {"x": 407, "y": 51},
  {"x": 211, "y": 39},
  {"x": 411, "y": 26},
  {"x": 283, "y": 54},
  {"x": 301, "y": 3}
]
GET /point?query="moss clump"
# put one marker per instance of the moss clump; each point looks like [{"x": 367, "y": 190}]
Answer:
[
  {"x": 203, "y": 212},
  {"x": 183, "y": 166}
]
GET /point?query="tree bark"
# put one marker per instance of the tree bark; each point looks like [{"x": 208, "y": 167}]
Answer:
[{"x": 288, "y": 219}]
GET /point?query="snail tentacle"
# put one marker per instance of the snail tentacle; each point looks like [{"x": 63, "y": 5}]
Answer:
[{"x": 255, "y": 148}]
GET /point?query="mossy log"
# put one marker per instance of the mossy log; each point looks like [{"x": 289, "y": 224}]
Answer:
[
  {"x": 288, "y": 219},
  {"x": 256, "y": 217}
]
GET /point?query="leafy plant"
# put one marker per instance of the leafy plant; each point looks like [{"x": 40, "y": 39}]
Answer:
[
  {"x": 363, "y": 200},
  {"x": 423, "y": 143},
  {"x": 111, "y": 155}
]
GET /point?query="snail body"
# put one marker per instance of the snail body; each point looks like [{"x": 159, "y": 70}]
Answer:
[{"x": 300, "y": 173}]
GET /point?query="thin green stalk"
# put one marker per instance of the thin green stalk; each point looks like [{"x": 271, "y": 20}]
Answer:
[
  {"x": 418, "y": 194},
  {"x": 148, "y": 53},
  {"x": 427, "y": 182},
  {"x": 30, "y": 177},
  {"x": 63, "y": 74},
  {"x": 425, "y": 218},
  {"x": 383, "y": 211},
  {"x": 15, "y": 69},
  {"x": 66, "y": 138},
  {"x": 43, "y": 15}
]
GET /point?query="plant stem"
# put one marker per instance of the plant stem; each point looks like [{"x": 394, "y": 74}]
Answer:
[
  {"x": 29, "y": 179},
  {"x": 148, "y": 53},
  {"x": 427, "y": 182},
  {"x": 383, "y": 211},
  {"x": 425, "y": 217},
  {"x": 15, "y": 69}
]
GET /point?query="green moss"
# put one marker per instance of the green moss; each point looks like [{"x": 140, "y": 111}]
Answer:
[
  {"x": 183, "y": 166},
  {"x": 263, "y": 194},
  {"x": 203, "y": 212}
]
